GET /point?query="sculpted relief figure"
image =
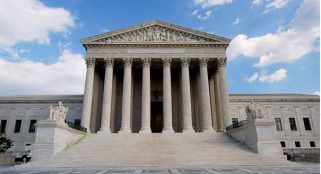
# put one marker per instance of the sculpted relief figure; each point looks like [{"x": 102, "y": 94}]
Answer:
[
  {"x": 58, "y": 113},
  {"x": 153, "y": 33},
  {"x": 252, "y": 111}
]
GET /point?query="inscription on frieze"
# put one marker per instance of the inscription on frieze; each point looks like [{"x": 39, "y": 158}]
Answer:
[{"x": 156, "y": 50}]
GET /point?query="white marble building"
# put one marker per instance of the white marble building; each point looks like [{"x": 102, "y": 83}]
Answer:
[{"x": 161, "y": 78}]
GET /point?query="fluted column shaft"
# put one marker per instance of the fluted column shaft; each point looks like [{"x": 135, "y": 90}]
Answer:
[
  {"x": 126, "y": 100},
  {"x": 108, "y": 86},
  {"x": 167, "y": 96},
  {"x": 218, "y": 105},
  {"x": 87, "y": 101},
  {"x": 186, "y": 96},
  {"x": 145, "y": 128},
  {"x": 205, "y": 97},
  {"x": 221, "y": 63}
]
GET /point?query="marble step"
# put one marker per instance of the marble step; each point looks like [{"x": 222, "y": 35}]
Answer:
[{"x": 103, "y": 150}]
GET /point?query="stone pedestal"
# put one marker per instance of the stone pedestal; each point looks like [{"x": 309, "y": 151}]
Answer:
[
  {"x": 258, "y": 135},
  {"x": 52, "y": 137}
]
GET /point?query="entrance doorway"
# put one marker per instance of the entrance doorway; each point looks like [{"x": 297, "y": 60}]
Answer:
[{"x": 157, "y": 117}]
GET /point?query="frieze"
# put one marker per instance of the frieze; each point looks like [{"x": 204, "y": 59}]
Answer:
[{"x": 101, "y": 50}]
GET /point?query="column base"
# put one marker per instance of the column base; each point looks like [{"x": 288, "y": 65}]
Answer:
[
  {"x": 188, "y": 130},
  {"x": 145, "y": 131},
  {"x": 125, "y": 131},
  {"x": 209, "y": 130},
  {"x": 104, "y": 131},
  {"x": 168, "y": 130}
]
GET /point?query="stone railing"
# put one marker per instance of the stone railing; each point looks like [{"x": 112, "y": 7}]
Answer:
[{"x": 302, "y": 154}]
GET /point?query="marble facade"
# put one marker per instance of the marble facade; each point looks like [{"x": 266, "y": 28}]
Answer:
[{"x": 128, "y": 68}]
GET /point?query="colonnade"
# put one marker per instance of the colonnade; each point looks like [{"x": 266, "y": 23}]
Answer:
[{"x": 205, "y": 103}]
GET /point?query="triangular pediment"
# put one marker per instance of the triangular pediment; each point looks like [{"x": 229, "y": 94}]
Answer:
[{"x": 155, "y": 32}]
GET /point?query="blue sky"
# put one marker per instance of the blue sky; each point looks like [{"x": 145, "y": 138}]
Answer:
[{"x": 275, "y": 46}]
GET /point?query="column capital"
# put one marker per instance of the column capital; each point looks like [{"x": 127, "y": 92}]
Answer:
[
  {"x": 109, "y": 62},
  {"x": 185, "y": 62},
  {"x": 146, "y": 62},
  {"x": 167, "y": 62},
  {"x": 203, "y": 62},
  {"x": 90, "y": 62},
  {"x": 221, "y": 61},
  {"x": 127, "y": 62}
]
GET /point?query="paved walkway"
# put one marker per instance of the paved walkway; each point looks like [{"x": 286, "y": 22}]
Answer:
[{"x": 302, "y": 168}]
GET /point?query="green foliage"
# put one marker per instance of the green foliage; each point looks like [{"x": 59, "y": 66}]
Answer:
[{"x": 5, "y": 143}]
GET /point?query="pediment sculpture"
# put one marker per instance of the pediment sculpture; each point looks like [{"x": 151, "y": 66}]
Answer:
[
  {"x": 253, "y": 112},
  {"x": 58, "y": 113},
  {"x": 155, "y": 33}
]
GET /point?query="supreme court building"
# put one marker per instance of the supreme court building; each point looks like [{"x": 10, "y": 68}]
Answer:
[
  {"x": 155, "y": 77},
  {"x": 159, "y": 91}
]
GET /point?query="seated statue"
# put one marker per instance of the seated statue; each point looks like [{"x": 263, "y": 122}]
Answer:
[
  {"x": 252, "y": 111},
  {"x": 58, "y": 113}
]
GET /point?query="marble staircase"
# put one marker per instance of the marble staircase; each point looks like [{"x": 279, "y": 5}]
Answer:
[{"x": 179, "y": 149}]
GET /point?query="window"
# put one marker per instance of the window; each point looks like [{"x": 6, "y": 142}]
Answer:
[
  {"x": 297, "y": 144},
  {"x": 307, "y": 125},
  {"x": 17, "y": 126},
  {"x": 77, "y": 122},
  {"x": 235, "y": 122},
  {"x": 282, "y": 143},
  {"x": 292, "y": 124},
  {"x": 3, "y": 126},
  {"x": 32, "y": 126},
  {"x": 312, "y": 144},
  {"x": 278, "y": 124}
]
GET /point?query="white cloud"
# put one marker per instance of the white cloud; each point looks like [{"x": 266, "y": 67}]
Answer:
[
  {"x": 30, "y": 21},
  {"x": 270, "y": 4},
  {"x": 264, "y": 77},
  {"x": 257, "y": 2},
  {"x": 285, "y": 45},
  {"x": 211, "y": 3},
  {"x": 275, "y": 4},
  {"x": 206, "y": 16},
  {"x": 66, "y": 76},
  {"x": 194, "y": 12},
  {"x": 236, "y": 21},
  {"x": 316, "y": 93}
]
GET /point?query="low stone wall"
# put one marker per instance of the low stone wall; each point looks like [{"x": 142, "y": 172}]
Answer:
[
  {"x": 7, "y": 157},
  {"x": 303, "y": 154}
]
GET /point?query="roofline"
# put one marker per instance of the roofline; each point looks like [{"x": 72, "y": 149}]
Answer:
[{"x": 134, "y": 27}]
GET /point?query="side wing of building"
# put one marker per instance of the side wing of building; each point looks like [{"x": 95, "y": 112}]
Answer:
[
  {"x": 20, "y": 114},
  {"x": 297, "y": 116}
]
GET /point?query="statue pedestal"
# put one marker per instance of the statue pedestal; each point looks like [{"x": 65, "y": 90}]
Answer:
[
  {"x": 258, "y": 135},
  {"x": 52, "y": 137}
]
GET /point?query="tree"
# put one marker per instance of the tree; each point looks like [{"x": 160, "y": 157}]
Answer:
[{"x": 5, "y": 143}]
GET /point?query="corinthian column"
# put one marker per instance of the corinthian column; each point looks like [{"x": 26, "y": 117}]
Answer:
[
  {"x": 167, "y": 96},
  {"x": 87, "y": 101},
  {"x": 186, "y": 96},
  {"x": 218, "y": 105},
  {"x": 146, "y": 96},
  {"x": 205, "y": 97},
  {"x": 108, "y": 84},
  {"x": 221, "y": 63},
  {"x": 125, "y": 119}
]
